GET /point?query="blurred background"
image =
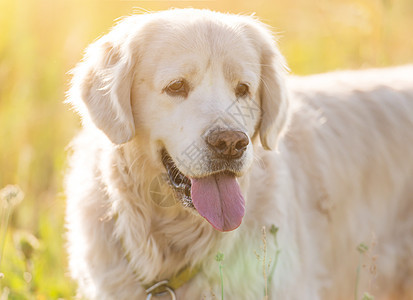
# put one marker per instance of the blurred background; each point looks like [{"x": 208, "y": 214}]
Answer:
[{"x": 41, "y": 40}]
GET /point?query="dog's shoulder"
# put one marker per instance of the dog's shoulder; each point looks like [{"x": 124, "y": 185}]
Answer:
[{"x": 88, "y": 153}]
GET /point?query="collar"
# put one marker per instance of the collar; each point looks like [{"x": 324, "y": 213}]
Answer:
[{"x": 169, "y": 286}]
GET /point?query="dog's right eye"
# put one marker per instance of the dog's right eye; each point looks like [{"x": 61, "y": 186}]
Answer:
[{"x": 177, "y": 88}]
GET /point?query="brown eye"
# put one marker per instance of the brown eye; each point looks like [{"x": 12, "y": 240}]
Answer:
[
  {"x": 177, "y": 88},
  {"x": 241, "y": 90}
]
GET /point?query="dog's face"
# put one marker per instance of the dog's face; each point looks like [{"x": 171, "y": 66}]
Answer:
[{"x": 200, "y": 86}]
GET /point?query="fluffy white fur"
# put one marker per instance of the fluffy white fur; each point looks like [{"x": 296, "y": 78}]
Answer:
[{"x": 340, "y": 175}]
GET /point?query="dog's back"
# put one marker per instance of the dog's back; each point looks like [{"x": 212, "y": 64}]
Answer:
[{"x": 352, "y": 133}]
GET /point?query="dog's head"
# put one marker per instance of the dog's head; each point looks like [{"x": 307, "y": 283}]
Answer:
[{"x": 200, "y": 86}]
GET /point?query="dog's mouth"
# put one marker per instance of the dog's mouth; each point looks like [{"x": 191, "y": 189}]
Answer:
[
  {"x": 217, "y": 197},
  {"x": 179, "y": 182}
]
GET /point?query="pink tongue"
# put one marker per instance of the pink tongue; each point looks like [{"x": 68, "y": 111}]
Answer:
[{"x": 219, "y": 200}]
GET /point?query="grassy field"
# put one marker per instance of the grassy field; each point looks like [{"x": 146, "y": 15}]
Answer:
[{"x": 41, "y": 40}]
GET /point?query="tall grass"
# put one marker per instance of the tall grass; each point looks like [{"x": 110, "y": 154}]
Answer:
[{"x": 41, "y": 40}]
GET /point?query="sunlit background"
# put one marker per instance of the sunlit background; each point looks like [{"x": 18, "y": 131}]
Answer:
[{"x": 41, "y": 40}]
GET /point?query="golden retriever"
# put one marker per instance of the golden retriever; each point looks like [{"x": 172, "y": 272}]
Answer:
[{"x": 203, "y": 171}]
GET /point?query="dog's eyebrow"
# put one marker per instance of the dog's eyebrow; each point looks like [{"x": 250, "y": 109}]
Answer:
[
  {"x": 174, "y": 71},
  {"x": 232, "y": 72},
  {"x": 236, "y": 73}
]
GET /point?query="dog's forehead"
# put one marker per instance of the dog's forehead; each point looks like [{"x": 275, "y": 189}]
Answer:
[
  {"x": 187, "y": 46},
  {"x": 217, "y": 35}
]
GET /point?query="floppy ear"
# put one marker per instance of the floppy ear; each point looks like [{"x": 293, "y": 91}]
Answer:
[
  {"x": 274, "y": 98},
  {"x": 101, "y": 88},
  {"x": 272, "y": 92}
]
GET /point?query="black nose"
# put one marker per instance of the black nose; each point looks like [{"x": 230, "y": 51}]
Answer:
[{"x": 228, "y": 143}]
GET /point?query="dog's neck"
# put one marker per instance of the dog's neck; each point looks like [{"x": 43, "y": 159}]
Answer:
[{"x": 171, "y": 237}]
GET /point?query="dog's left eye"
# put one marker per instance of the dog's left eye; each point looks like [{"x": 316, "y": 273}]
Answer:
[
  {"x": 241, "y": 90},
  {"x": 177, "y": 88}
]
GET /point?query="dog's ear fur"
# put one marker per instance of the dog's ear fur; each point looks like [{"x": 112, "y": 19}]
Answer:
[
  {"x": 101, "y": 87},
  {"x": 272, "y": 92}
]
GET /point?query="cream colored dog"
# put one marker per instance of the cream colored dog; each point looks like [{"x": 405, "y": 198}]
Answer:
[{"x": 181, "y": 110}]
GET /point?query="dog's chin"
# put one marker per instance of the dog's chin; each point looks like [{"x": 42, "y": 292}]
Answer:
[{"x": 181, "y": 184}]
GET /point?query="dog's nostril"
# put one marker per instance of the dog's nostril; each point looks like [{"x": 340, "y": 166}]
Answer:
[
  {"x": 221, "y": 145},
  {"x": 241, "y": 145}
]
